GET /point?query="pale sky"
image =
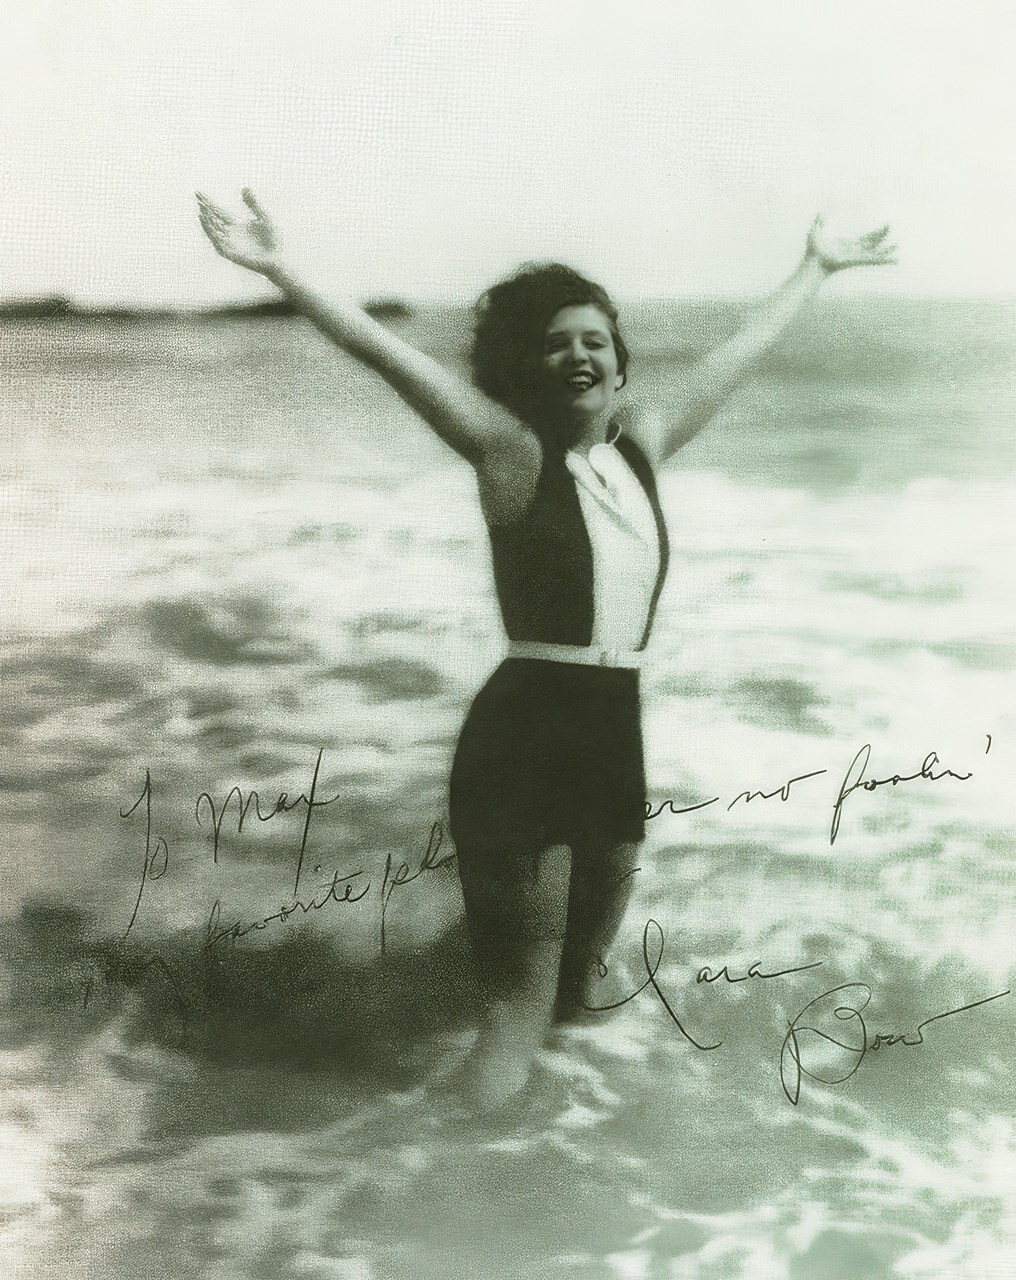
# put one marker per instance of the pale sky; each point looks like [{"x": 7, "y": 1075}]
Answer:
[{"x": 426, "y": 147}]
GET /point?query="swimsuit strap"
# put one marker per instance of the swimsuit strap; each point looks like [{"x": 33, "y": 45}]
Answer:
[{"x": 640, "y": 465}]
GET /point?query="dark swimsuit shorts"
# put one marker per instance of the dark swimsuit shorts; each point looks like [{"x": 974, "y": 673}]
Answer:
[{"x": 550, "y": 753}]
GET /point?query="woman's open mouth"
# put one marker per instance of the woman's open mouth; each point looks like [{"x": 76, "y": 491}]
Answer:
[{"x": 581, "y": 381}]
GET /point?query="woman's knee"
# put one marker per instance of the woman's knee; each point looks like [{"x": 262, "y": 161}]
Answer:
[
  {"x": 605, "y": 874},
  {"x": 515, "y": 907}
]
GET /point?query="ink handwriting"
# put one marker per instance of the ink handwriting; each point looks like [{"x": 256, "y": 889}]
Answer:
[
  {"x": 652, "y": 928},
  {"x": 706, "y": 974},
  {"x": 214, "y": 934},
  {"x": 156, "y": 861},
  {"x": 826, "y": 1042},
  {"x": 855, "y": 780},
  {"x": 340, "y": 889},
  {"x": 842, "y": 1037},
  {"x": 783, "y": 792},
  {"x": 402, "y": 876},
  {"x": 282, "y": 805},
  {"x": 669, "y": 805}
]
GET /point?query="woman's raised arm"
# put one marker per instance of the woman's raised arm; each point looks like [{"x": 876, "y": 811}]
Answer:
[
  {"x": 478, "y": 428},
  {"x": 667, "y": 426}
]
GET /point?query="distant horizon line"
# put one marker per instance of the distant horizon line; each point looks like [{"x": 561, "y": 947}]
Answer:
[{"x": 56, "y": 304}]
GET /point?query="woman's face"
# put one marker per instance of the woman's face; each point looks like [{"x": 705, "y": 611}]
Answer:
[{"x": 579, "y": 370}]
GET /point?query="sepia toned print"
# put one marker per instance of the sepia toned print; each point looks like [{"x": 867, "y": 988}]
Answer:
[{"x": 580, "y": 851}]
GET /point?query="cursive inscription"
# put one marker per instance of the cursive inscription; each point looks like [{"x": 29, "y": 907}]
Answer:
[
  {"x": 854, "y": 780},
  {"x": 282, "y": 805},
  {"x": 705, "y": 974},
  {"x": 652, "y": 964},
  {"x": 215, "y": 934},
  {"x": 156, "y": 859},
  {"x": 830, "y": 1035},
  {"x": 668, "y": 805},
  {"x": 783, "y": 791},
  {"x": 340, "y": 889}
]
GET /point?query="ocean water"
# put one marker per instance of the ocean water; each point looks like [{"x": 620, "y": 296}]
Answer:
[{"x": 230, "y": 560}]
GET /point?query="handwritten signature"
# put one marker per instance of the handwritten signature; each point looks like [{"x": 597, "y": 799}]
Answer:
[
  {"x": 841, "y": 1037},
  {"x": 854, "y": 780},
  {"x": 653, "y": 944}
]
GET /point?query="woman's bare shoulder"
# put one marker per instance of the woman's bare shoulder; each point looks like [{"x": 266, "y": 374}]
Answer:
[{"x": 508, "y": 476}]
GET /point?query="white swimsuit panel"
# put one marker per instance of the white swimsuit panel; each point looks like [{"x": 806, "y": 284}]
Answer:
[{"x": 626, "y": 548}]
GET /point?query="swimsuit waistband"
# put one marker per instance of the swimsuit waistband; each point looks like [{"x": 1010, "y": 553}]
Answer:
[{"x": 586, "y": 655}]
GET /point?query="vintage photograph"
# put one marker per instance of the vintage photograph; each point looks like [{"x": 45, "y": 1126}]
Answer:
[{"x": 508, "y": 572}]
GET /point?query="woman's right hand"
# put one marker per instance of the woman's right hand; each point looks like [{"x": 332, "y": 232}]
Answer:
[{"x": 250, "y": 243}]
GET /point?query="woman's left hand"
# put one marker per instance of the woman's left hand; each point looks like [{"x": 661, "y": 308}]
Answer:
[
  {"x": 249, "y": 242},
  {"x": 836, "y": 253}
]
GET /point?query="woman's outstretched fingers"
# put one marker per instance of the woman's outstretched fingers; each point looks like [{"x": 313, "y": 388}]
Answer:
[
  {"x": 252, "y": 203},
  {"x": 249, "y": 242},
  {"x": 212, "y": 218},
  {"x": 880, "y": 253},
  {"x": 835, "y": 252},
  {"x": 210, "y": 209}
]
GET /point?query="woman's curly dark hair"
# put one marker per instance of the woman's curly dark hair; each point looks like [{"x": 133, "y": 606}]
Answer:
[{"x": 511, "y": 321}]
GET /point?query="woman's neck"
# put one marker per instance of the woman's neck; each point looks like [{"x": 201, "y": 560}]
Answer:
[{"x": 579, "y": 437}]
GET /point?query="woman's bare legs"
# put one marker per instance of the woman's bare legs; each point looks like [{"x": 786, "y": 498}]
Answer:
[
  {"x": 540, "y": 927},
  {"x": 602, "y": 879},
  {"x": 517, "y": 912}
]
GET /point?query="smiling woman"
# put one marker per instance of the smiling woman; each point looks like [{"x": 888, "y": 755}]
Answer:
[
  {"x": 578, "y": 358},
  {"x": 547, "y": 791},
  {"x": 540, "y": 326}
]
